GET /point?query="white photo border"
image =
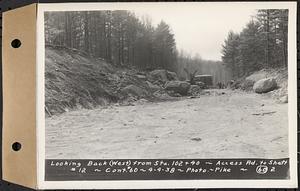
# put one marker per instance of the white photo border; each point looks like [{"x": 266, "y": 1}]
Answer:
[{"x": 153, "y": 184}]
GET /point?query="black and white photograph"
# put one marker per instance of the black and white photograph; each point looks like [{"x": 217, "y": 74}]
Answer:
[{"x": 167, "y": 82}]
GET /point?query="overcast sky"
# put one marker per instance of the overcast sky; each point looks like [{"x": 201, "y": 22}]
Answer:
[{"x": 201, "y": 29}]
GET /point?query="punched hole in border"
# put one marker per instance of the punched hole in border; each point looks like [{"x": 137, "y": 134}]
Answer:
[
  {"x": 16, "y": 43},
  {"x": 16, "y": 146}
]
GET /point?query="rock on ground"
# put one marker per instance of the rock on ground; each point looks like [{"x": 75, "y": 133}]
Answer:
[
  {"x": 134, "y": 90},
  {"x": 141, "y": 77},
  {"x": 172, "y": 75},
  {"x": 256, "y": 76},
  {"x": 265, "y": 85},
  {"x": 249, "y": 81},
  {"x": 181, "y": 87},
  {"x": 284, "y": 99},
  {"x": 163, "y": 75},
  {"x": 279, "y": 74},
  {"x": 159, "y": 75},
  {"x": 153, "y": 87},
  {"x": 195, "y": 90}
]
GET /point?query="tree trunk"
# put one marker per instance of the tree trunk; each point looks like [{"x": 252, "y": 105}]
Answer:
[
  {"x": 86, "y": 33},
  {"x": 68, "y": 30}
]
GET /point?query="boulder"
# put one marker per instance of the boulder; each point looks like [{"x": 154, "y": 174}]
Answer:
[
  {"x": 141, "y": 77},
  {"x": 249, "y": 81},
  {"x": 195, "y": 90},
  {"x": 159, "y": 75},
  {"x": 141, "y": 102},
  {"x": 134, "y": 90},
  {"x": 163, "y": 75},
  {"x": 265, "y": 85},
  {"x": 153, "y": 86},
  {"x": 257, "y": 76},
  {"x": 172, "y": 76},
  {"x": 181, "y": 87}
]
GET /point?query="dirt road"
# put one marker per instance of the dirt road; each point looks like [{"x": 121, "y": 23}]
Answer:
[{"x": 234, "y": 124}]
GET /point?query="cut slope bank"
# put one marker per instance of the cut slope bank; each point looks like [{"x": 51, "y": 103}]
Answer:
[
  {"x": 74, "y": 80},
  {"x": 280, "y": 75}
]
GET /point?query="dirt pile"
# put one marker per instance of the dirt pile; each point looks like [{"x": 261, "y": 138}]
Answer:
[{"x": 74, "y": 80}]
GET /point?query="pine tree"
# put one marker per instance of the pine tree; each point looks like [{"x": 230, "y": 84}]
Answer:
[
  {"x": 164, "y": 45},
  {"x": 251, "y": 48},
  {"x": 230, "y": 53}
]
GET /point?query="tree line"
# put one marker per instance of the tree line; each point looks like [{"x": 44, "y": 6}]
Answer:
[
  {"x": 119, "y": 37},
  {"x": 198, "y": 66},
  {"x": 261, "y": 44}
]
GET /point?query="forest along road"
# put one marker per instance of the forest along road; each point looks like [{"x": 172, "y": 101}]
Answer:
[{"x": 231, "y": 125}]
